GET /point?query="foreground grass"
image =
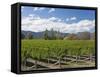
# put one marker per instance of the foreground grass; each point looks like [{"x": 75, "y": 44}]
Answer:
[
  {"x": 58, "y": 43},
  {"x": 43, "y": 49}
]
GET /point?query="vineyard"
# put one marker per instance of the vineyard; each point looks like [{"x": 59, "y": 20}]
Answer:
[{"x": 55, "y": 54}]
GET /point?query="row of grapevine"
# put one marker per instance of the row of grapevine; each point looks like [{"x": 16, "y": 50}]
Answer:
[
  {"x": 42, "y": 51},
  {"x": 46, "y": 53}
]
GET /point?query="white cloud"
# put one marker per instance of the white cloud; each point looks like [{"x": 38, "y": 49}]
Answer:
[
  {"x": 55, "y": 19},
  {"x": 33, "y": 16},
  {"x": 73, "y": 18},
  {"x": 38, "y": 24},
  {"x": 42, "y": 8},
  {"x": 70, "y": 19},
  {"x": 51, "y": 10},
  {"x": 38, "y": 8},
  {"x": 52, "y": 18},
  {"x": 67, "y": 19},
  {"x": 22, "y": 8},
  {"x": 35, "y": 9}
]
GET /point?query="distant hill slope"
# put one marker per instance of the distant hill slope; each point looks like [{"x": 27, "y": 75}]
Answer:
[{"x": 41, "y": 34}]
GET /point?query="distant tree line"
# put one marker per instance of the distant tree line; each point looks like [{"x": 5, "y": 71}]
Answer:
[
  {"x": 56, "y": 35},
  {"x": 71, "y": 36}
]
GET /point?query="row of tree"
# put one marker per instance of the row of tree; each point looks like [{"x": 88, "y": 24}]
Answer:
[
  {"x": 70, "y": 36},
  {"x": 54, "y": 35}
]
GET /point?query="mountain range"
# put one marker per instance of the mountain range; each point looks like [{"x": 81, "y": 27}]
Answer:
[
  {"x": 38, "y": 35},
  {"x": 41, "y": 34}
]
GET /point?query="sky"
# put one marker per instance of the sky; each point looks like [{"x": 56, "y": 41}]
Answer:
[{"x": 38, "y": 19}]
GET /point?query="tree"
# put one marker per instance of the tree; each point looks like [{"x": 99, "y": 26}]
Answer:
[
  {"x": 71, "y": 37},
  {"x": 53, "y": 37},
  {"x": 84, "y": 35},
  {"x": 29, "y": 35},
  {"x": 22, "y": 36},
  {"x": 58, "y": 35},
  {"x": 46, "y": 34},
  {"x": 93, "y": 36}
]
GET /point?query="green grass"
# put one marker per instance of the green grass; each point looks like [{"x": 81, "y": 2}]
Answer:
[
  {"x": 58, "y": 43},
  {"x": 38, "y": 49},
  {"x": 46, "y": 49}
]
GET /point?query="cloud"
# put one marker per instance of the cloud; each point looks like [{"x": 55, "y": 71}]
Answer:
[
  {"x": 31, "y": 15},
  {"x": 42, "y": 8},
  {"x": 34, "y": 16},
  {"x": 22, "y": 8},
  {"x": 67, "y": 19},
  {"x": 38, "y": 8},
  {"x": 35, "y": 9},
  {"x": 38, "y": 24},
  {"x": 54, "y": 19},
  {"x": 51, "y": 10},
  {"x": 71, "y": 19}
]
